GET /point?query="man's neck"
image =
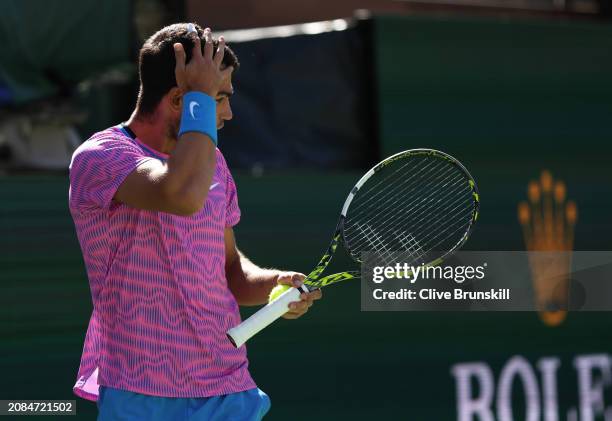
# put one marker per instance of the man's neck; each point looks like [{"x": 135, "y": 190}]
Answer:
[{"x": 151, "y": 130}]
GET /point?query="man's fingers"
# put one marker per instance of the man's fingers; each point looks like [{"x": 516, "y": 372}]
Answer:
[
  {"x": 298, "y": 279},
  {"x": 197, "y": 47},
  {"x": 309, "y": 298},
  {"x": 298, "y": 306},
  {"x": 179, "y": 69},
  {"x": 220, "y": 52},
  {"x": 312, "y": 295},
  {"x": 208, "y": 46},
  {"x": 291, "y": 278},
  {"x": 296, "y": 309},
  {"x": 179, "y": 54},
  {"x": 285, "y": 279}
]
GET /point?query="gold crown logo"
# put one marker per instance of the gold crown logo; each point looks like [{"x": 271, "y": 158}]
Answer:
[{"x": 548, "y": 222}]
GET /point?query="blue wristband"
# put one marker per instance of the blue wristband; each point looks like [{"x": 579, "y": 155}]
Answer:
[{"x": 199, "y": 115}]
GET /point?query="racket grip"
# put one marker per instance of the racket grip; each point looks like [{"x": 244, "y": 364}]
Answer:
[{"x": 264, "y": 316}]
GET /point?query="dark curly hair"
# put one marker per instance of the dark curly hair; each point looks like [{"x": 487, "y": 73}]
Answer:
[{"x": 156, "y": 63}]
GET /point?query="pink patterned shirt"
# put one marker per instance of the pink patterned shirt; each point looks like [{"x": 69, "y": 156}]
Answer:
[{"x": 161, "y": 304}]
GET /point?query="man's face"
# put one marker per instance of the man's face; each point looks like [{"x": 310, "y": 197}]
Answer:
[{"x": 224, "y": 110}]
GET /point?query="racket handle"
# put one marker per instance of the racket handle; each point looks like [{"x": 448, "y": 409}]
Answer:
[{"x": 264, "y": 316}]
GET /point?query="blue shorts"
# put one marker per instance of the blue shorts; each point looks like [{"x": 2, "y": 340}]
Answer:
[{"x": 115, "y": 405}]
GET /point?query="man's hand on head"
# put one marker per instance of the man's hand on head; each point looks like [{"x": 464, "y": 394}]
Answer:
[
  {"x": 298, "y": 308},
  {"x": 203, "y": 73}
]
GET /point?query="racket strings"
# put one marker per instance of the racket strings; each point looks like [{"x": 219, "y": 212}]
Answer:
[
  {"x": 390, "y": 258},
  {"x": 399, "y": 194},
  {"x": 462, "y": 208},
  {"x": 449, "y": 223},
  {"x": 418, "y": 254},
  {"x": 388, "y": 209},
  {"x": 413, "y": 212},
  {"x": 386, "y": 191},
  {"x": 415, "y": 207},
  {"x": 382, "y": 181},
  {"x": 376, "y": 242},
  {"x": 423, "y": 212},
  {"x": 401, "y": 190},
  {"x": 465, "y": 219},
  {"x": 409, "y": 243}
]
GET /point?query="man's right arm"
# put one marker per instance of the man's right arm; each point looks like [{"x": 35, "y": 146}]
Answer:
[{"x": 180, "y": 186}]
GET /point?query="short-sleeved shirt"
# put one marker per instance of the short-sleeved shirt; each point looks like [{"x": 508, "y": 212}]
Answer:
[{"x": 161, "y": 302}]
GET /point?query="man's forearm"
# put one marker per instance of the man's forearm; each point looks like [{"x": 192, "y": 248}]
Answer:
[
  {"x": 249, "y": 283},
  {"x": 191, "y": 168}
]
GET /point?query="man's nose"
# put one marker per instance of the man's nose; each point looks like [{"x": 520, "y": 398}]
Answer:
[{"x": 227, "y": 114}]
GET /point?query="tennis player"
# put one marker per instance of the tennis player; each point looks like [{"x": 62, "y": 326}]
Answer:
[{"x": 154, "y": 203}]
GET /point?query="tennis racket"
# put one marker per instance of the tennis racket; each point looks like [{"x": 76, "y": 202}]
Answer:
[{"x": 420, "y": 203}]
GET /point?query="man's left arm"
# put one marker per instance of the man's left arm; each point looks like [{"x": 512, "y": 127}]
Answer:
[{"x": 251, "y": 284}]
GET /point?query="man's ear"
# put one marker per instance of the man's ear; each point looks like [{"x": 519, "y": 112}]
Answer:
[{"x": 175, "y": 98}]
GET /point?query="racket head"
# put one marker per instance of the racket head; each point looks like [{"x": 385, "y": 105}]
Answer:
[{"x": 420, "y": 203}]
